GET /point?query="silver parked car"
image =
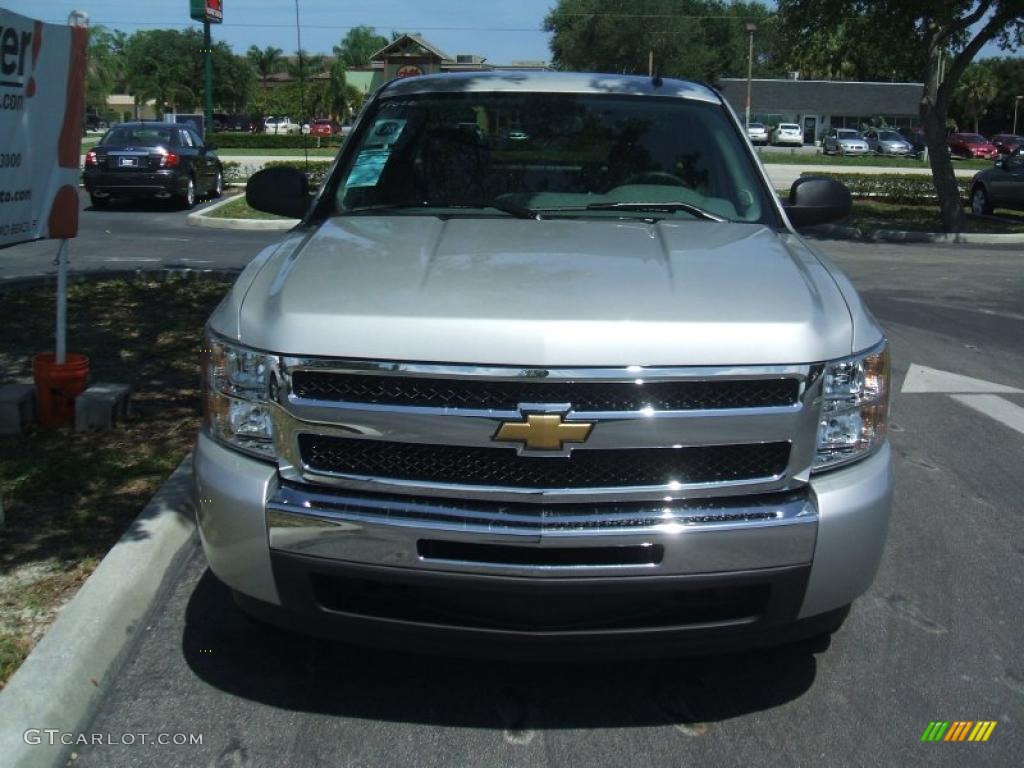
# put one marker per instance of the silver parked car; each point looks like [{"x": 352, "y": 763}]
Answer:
[
  {"x": 757, "y": 133},
  {"x": 590, "y": 394},
  {"x": 788, "y": 133},
  {"x": 844, "y": 141},
  {"x": 885, "y": 142}
]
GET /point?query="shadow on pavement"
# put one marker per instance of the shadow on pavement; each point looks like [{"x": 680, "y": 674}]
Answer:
[{"x": 305, "y": 674}]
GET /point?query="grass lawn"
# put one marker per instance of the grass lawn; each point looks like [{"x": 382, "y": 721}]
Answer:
[
  {"x": 239, "y": 209},
  {"x": 69, "y": 496},
  {"x": 324, "y": 152},
  {"x": 870, "y": 216},
  {"x": 875, "y": 161}
]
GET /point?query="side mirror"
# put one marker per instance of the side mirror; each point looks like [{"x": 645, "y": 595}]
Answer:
[
  {"x": 815, "y": 200},
  {"x": 283, "y": 191}
]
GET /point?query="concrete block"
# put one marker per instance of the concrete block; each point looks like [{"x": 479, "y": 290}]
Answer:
[
  {"x": 101, "y": 405},
  {"x": 17, "y": 407}
]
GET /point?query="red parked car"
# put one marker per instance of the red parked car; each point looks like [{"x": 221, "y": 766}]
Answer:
[
  {"x": 323, "y": 127},
  {"x": 1007, "y": 143},
  {"x": 969, "y": 145}
]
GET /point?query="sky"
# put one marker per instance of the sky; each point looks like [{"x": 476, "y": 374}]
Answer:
[{"x": 502, "y": 31}]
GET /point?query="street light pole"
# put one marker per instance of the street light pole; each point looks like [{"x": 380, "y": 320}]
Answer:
[
  {"x": 208, "y": 80},
  {"x": 751, "y": 29},
  {"x": 1016, "y": 103}
]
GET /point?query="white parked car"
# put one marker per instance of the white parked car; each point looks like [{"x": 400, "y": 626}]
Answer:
[
  {"x": 280, "y": 125},
  {"x": 788, "y": 133},
  {"x": 757, "y": 133}
]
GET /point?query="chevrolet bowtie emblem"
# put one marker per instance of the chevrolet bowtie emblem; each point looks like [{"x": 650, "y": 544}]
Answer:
[{"x": 543, "y": 432}]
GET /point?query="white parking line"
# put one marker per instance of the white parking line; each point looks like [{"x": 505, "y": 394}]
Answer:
[
  {"x": 923, "y": 379},
  {"x": 995, "y": 407},
  {"x": 977, "y": 394}
]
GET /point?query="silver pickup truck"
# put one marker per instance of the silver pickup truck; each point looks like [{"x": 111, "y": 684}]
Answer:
[{"x": 545, "y": 366}]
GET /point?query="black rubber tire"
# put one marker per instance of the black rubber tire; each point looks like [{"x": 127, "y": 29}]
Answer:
[
  {"x": 188, "y": 200},
  {"x": 218, "y": 186},
  {"x": 98, "y": 202}
]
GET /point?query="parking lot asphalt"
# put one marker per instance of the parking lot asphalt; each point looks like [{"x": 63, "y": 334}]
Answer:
[
  {"x": 938, "y": 637},
  {"x": 132, "y": 235}
]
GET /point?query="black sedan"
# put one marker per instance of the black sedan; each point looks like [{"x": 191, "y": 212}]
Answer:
[
  {"x": 161, "y": 160},
  {"x": 1001, "y": 186}
]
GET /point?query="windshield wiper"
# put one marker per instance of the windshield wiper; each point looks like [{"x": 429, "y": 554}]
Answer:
[
  {"x": 667, "y": 207},
  {"x": 505, "y": 206}
]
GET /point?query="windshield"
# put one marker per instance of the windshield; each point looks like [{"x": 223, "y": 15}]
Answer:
[
  {"x": 550, "y": 152},
  {"x": 849, "y": 135},
  {"x": 890, "y": 136},
  {"x": 141, "y": 136},
  {"x": 972, "y": 138}
]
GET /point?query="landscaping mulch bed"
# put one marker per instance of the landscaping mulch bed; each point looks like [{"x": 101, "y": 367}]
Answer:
[{"x": 69, "y": 496}]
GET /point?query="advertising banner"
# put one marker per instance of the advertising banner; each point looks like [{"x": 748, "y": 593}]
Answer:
[{"x": 42, "y": 106}]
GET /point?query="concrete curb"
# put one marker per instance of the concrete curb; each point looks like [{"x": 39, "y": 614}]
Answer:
[
  {"x": 59, "y": 683},
  {"x": 980, "y": 238},
  {"x": 202, "y": 219},
  {"x": 839, "y": 232}
]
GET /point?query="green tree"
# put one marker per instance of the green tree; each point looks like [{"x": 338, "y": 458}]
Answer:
[
  {"x": 105, "y": 65},
  {"x": 699, "y": 39},
  {"x": 266, "y": 61},
  {"x": 1008, "y": 73},
  {"x": 974, "y": 94},
  {"x": 921, "y": 31},
  {"x": 305, "y": 64},
  {"x": 160, "y": 67},
  {"x": 358, "y": 45},
  {"x": 338, "y": 90}
]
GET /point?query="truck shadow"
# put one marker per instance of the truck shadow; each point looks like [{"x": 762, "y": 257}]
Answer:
[{"x": 294, "y": 672}]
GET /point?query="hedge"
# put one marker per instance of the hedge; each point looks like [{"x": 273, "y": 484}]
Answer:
[
  {"x": 316, "y": 169},
  {"x": 232, "y": 171},
  {"x": 892, "y": 187},
  {"x": 229, "y": 140}
]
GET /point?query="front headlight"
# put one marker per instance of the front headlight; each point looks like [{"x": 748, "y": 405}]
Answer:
[
  {"x": 854, "y": 409},
  {"x": 236, "y": 391}
]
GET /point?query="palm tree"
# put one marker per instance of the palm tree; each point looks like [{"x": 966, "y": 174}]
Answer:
[
  {"x": 305, "y": 64},
  {"x": 976, "y": 91},
  {"x": 266, "y": 61}
]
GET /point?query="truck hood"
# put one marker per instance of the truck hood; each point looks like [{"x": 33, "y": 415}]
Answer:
[{"x": 563, "y": 292}]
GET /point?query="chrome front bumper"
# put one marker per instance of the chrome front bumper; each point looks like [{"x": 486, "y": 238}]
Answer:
[{"x": 837, "y": 527}]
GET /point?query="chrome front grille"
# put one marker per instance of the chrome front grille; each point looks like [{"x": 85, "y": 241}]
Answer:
[
  {"x": 581, "y": 469},
  {"x": 583, "y": 395},
  {"x": 428, "y": 431}
]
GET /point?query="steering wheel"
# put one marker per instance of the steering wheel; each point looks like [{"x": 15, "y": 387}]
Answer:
[{"x": 656, "y": 177}]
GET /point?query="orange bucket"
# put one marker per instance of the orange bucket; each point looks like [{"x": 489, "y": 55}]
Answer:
[{"x": 57, "y": 386}]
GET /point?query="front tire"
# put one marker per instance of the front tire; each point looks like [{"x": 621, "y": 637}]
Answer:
[
  {"x": 98, "y": 202},
  {"x": 980, "y": 203}
]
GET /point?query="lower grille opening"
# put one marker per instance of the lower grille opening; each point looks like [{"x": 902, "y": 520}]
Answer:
[
  {"x": 541, "y": 610},
  {"x": 497, "y": 554}
]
